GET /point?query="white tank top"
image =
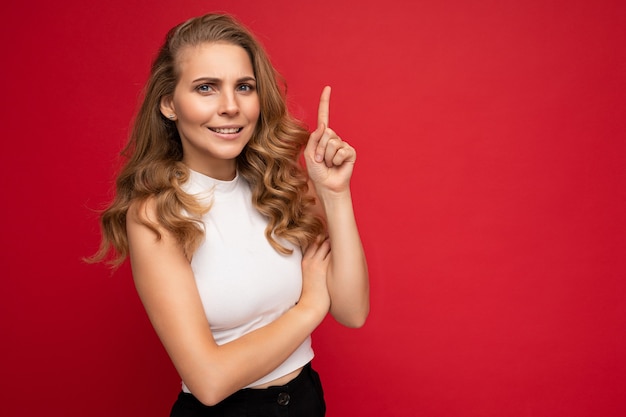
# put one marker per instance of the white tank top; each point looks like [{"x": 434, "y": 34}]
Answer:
[{"x": 244, "y": 283}]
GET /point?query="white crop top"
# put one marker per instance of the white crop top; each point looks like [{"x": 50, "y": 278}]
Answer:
[{"x": 244, "y": 283}]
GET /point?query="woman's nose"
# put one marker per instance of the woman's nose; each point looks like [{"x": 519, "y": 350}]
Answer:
[{"x": 228, "y": 104}]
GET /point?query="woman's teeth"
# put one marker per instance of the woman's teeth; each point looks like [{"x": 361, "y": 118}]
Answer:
[{"x": 226, "y": 130}]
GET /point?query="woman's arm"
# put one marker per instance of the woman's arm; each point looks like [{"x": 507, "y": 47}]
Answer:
[
  {"x": 166, "y": 286},
  {"x": 330, "y": 162}
]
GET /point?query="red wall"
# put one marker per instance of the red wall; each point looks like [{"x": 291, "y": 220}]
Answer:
[{"x": 490, "y": 191}]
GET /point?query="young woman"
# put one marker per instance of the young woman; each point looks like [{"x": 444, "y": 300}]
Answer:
[{"x": 237, "y": 252}]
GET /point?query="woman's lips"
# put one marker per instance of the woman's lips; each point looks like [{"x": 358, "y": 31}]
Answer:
[{"x": 226, "y": 130}]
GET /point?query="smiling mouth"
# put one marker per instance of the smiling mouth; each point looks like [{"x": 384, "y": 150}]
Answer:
[{"x": 229, "y": 130}]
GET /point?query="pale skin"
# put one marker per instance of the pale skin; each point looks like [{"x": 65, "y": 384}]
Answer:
[
  {"x": 334, "y": 280},
  {"x": 330, "y": 162}
]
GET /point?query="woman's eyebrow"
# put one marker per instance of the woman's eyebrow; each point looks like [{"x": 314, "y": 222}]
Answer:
[{"x": 213, "y": 80}]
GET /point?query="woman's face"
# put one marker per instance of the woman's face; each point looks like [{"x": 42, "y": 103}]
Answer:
[{"x": 215, "y": 106}]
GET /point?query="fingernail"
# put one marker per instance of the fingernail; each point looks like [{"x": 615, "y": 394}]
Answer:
[{"x": 318, "y": 158}]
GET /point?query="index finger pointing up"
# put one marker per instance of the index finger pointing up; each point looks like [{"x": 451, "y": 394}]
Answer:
[{"x": 323, "y": 113}]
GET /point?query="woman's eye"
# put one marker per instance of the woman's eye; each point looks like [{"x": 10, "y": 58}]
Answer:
[
  {"x": 246, "y": 87},
  {"x": 204, "y": 88}
]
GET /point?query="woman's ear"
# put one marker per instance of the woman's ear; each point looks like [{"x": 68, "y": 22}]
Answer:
[{"x": 167, "y": 108}]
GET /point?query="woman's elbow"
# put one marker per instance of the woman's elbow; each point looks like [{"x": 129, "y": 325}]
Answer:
[
  {"x": 355, "y": 324},
  {"x": 209, "y": 398},
  {"x": 355, "y": 320},
  {"x": 210, "y": 394}
]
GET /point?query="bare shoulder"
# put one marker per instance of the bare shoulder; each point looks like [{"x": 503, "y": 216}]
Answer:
[
  {"x": 142, "y": 212},
  {"x": 152, "y": 247},
  {"x": 143, "y": 227},
  {"x": 157, "y": 259}
]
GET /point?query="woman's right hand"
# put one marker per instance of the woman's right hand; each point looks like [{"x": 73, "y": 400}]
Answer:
[{"x": 315, "y": 263}]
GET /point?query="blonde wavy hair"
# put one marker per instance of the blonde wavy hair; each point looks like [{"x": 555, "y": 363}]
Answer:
[{"x": 269, "y": 162}]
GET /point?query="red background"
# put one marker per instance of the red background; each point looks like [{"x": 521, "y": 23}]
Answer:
[{"x": 490, "y": 192}]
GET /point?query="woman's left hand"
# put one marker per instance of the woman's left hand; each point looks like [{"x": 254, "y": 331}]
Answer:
[
  {"x": 329, "y": 159},
  {"x": 330, "y": 162}
]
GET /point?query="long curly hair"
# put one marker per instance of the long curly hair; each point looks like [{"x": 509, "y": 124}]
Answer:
[{"x": 154, "y": 169}]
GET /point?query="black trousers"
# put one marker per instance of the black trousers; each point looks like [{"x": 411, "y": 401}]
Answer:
[{"x": 301, "y": 397}]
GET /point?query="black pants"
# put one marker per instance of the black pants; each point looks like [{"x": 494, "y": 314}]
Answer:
[{"x": 301, "y": 397}]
